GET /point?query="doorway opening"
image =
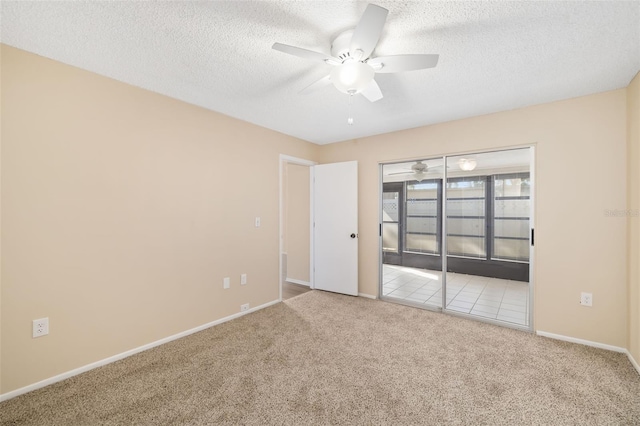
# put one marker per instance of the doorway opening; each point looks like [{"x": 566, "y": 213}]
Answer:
[
  {"x": 319, "y": 225},
  {"x": 483, "y": 203},
  {"x": 296, "y": 236}
]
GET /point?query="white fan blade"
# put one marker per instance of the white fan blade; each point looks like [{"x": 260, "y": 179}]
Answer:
[
  {"x": 401, "y": 173},
  {"x": 399, "y": 63},
  {"x": 367, "y": 33},
  {"x": 372, "y": 92},
  {"x": 304, "y": 53},
  {"x": 324, "y": 81}
]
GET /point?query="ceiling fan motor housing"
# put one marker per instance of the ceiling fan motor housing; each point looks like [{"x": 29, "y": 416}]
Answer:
[
  {"x": 340, "y": 45},
  {"x": 419, "y": 167}
]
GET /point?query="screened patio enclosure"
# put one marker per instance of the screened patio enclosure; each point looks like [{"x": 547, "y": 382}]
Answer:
[{"x": 481, "y": 202}]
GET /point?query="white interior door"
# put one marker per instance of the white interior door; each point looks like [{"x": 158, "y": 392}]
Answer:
[{"x": 336, "y": 227}]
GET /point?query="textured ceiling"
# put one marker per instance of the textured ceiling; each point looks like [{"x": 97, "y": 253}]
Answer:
[{"x": 494, "y": 56}]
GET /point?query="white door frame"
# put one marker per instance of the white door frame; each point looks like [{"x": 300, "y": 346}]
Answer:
[
  {"x": 532, "y": 229},
  {"x": 284, "y": 160}
]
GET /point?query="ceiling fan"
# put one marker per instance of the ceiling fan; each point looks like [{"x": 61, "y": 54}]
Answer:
[
  {"x": 418, "y": 170},
  {"x": 354, "y": 67}
]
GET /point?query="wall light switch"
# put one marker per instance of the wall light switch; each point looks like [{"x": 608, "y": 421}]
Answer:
[
  {"x": 257, "y": 222},
  {"x": 226, "y": 283},
  {"x": 243, "y": 279}
]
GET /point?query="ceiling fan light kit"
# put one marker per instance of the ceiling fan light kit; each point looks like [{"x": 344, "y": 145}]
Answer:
[
  {"x": 352, "y": 77},
  {"x": 354, "y": 67},
  {"x": 419, "y": 176}
]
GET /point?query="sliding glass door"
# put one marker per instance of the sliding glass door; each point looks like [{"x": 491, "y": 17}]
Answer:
[
  {"x": 411, "y": 228},
  {"x": 482, "y": 203},
  {"x": 488, "y": 210}
]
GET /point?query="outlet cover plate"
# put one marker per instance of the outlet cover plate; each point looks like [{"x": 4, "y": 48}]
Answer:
[
  {"x": 244, "y": 308},
  {"x": 586, "y": 299},
  {"x": 40, "y": 327}
]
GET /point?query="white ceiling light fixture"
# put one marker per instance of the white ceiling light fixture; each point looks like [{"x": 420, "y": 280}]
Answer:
[
  {"x": 351, "y": 52},
  {"x": 467, "y": 164},
  {"x": 419, "y": 176},
  {"x": 352, "y": 77}
]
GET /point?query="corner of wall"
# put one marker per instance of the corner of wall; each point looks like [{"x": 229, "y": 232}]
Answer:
[
  {"x": 1, "y": 220},
  {"x": 633, "y": 218}
]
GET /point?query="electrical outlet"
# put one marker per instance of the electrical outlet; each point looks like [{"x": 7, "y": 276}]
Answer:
[
  {"x": 244, "y": 307},
  {"x": 40, "y": 327},
  {"x": 257, "y": 222},
  {"x": 586, "y": 299},
  {"x": 226, "y": 282},
  {"x": 243, "y": 279}
]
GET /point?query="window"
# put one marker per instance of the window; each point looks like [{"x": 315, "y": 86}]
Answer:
[
  {"x": 466, "y": 214},
  {"x": 390, "y": 219},
  {"x": 511, "y": 207},
  {"x": 422, "y": 228}
]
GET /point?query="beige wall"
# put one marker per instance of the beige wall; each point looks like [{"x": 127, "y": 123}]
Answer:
[
  {"x": 633, "y": 134},
  {"x": 580, "y": 151},
  {"x": 122, "y": 211},
  {"x": 297, "y": 222},
  {"x": 0, "y": 224}
]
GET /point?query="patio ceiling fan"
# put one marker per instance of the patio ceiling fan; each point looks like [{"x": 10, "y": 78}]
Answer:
[
  {"x": 351, "y": 56},
  {"x": 419, "y": 171}
]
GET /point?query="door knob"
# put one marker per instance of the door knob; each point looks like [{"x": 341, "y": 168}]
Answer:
[{"x": 353, "y": 235}]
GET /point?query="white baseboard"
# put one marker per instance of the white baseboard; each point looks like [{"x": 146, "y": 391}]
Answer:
[
  {"x": 581, "y": 341},
  {"x": 368, "y": 296},
  {"x": 294, "y": 281},
  {"x": 593, "y": 344},
  {"x": 633, "y": 362},
  {"x": 114, "y": 358}
]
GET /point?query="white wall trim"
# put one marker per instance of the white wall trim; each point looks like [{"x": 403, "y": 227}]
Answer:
[
  {"x": 114, "y": 358},
  {"x": 633, "y": 362},
  {"x": 593, "y": 344},
  {"x": 581, "y": 341},
  {"x": 283, "y": 159},
  {"x": 300, "y": 282},
  {"x": 368, "y": 296}
]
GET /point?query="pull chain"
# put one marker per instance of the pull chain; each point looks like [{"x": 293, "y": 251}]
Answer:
[{"x": 350, "y": 119}]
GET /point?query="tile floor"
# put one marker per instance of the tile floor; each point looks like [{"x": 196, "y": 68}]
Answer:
[{"x": 493, "y": 298}]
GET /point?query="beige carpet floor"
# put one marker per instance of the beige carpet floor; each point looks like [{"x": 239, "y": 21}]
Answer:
[{"x": 323, "y": 358}]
